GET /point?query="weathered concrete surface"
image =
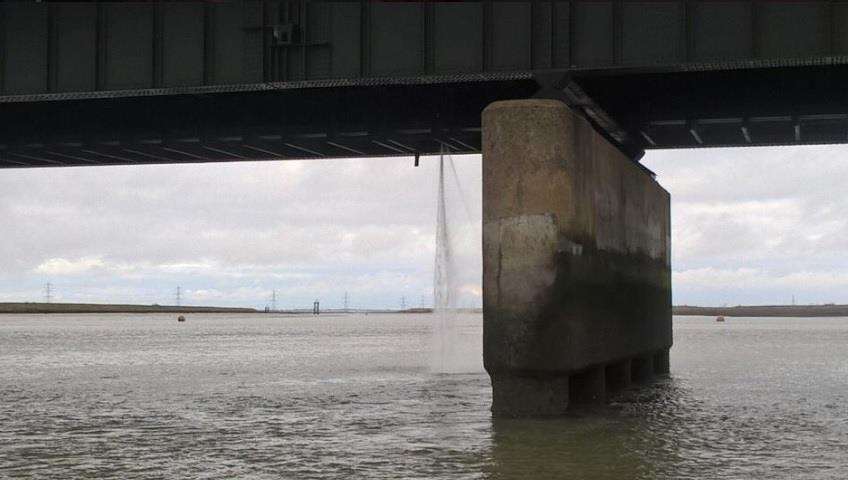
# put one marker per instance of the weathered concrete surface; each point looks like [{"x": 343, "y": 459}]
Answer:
[
  {"x": 576, "y": 244},
  {"x": 642, "y": 368},
  {"x": 588, "y": 386},
  {"x": 618, "y": 375}
]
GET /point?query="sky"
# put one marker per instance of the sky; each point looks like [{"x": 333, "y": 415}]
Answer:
[
  {"x": 749, "y": 226},
  {"x": 757, "y": 225},
  {"x": 230, "y": 234}
]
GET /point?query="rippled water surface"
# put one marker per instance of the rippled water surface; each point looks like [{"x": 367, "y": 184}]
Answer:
[{"x": 257, "y": 396}]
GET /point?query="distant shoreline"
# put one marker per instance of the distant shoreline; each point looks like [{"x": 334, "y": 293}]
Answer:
[
  {"x": 680, "y": 310},
  {"x": 58, "y": 308},
  {"x": 20, "y": 308},
  {"x": 764, "y": 311}
]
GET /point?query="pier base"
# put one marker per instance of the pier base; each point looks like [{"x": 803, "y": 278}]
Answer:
[
  {"x": 576, "y": 273},
  {"x": 642, "y": 369},
  {"x": 550, "y": 395},
  {"x": 618, "y": 376},
  {"x": 661, "y": 363},
  {"x": 588, "y": 387}
]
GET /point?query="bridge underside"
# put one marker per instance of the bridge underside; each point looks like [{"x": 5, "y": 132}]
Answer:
[
  {"x": 272, "y": 125},
  {"x": 636, "y": 111}
]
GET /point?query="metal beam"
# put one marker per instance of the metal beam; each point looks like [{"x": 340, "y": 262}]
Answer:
[
  {"x": 119, "y": 158},
  {"x": 393, "y": 43},
  {"x": 223, "y": 152},
  {"x": 36, "y": 158},
  {"x": 264, "y": 151},
  {"x": 158, "y": 158},
  {"x": 346, "y": 148},
  {"x": 184, "y": 153},
  {"x": 304, "y": 149}
]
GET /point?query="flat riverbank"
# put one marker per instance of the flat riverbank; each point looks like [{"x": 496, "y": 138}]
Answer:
[
  {"x": 683, "y": 310},
  {"x": 22, "y": 307},
  {"x": 42, "y": 308},
  {"x": 765, "y": 311}
]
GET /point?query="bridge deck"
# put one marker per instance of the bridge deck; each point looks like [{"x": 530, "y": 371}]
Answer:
[{"x": 93, "y": 83}]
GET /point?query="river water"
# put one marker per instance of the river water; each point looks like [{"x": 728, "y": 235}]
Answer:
[{"x": 260, "y": 396}]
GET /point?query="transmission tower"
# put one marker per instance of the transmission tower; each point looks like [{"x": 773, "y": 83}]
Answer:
[
  {"x": 179, "y": 296},
  {"x": 274, "y": 301},
  {"x": 345, "y": 302},
  {"x": 403, "y": 303},
  {"x": 48, "y": 292}
]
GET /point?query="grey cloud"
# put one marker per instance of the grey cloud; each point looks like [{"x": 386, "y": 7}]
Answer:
[
  {"x": 306, "y": 228},
  {"x": 756, "y": 225}
]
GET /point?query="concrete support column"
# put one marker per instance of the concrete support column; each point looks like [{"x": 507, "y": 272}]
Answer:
[
  {"x": 588, "y": 387},
  {"x": 510, "y": 393},
  {"x": 661, "y": 363},
  {"x": 575, "y": 258},
  {"x": 642, "y": 369},
  {"x": 618, "y": 376}
]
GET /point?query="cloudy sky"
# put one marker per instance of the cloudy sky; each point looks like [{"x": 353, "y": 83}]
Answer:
[
  {"x": 230, "y": 234},
  {"x": 754, "y": 225},
  {"x": 757, "y": 225}
]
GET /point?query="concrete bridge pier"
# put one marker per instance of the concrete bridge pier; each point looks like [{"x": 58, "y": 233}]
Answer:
[{"x": 576, "y": 273}]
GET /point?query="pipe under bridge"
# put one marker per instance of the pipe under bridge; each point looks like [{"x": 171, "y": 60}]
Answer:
[{"x": 561, "y": 97}]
